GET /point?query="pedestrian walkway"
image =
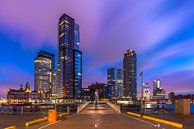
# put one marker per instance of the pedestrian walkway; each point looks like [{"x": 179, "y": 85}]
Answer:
[{"x": 103, "y": 117}]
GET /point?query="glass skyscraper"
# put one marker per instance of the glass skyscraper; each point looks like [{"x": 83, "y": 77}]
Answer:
[
  {"x": 43, "y": 73},
  {"x": 77, "y": 63},
  {"x": 129, "y": 72},
  {"x": 115, "y": 80},
  {"x": 69, "y": 59}
]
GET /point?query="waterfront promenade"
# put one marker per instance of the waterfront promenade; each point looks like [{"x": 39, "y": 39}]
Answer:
[{"x": 103, "y": 117}]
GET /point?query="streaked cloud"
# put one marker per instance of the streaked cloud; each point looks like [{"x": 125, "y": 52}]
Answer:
[{"x": 161, "y": 32}]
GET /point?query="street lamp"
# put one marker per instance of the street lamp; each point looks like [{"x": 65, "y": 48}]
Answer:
[{"x": 141, "y": 75}]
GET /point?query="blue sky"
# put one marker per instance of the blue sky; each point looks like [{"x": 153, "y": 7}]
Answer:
[{"x": 160, "y": 31}]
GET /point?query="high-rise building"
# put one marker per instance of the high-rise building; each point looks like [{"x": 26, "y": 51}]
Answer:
[
  {"x": 54, "y": 83},
  {"x": 158, "y": 91},
  {"x": 156, "y": 85},
  {"x": 43, "y": 73},
  {"x": 129, "y": 72},
  {"x": 77, "y": 63},
  {"x": 69, "y": 58},
  {"x": 115, "y": 80}
]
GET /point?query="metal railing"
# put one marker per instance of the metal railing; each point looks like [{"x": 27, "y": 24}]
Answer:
[{"x": 81, "y": 107}]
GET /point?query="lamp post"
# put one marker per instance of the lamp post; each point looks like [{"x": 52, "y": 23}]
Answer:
[
  {"x": 141, "y": 75},
  {"x": 96, "y": 98}
]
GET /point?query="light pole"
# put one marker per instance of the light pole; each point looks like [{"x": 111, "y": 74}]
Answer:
[{"x": 141, "y": 74}]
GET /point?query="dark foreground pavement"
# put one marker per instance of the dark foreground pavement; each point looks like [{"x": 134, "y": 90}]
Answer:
[
  {"x": 19, "y": 120},
  {"x": 102, "y": 118},
  {"x": 187, "y": 120}
]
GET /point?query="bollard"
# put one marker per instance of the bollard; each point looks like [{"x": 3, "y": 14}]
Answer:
[{"x": 52, "y": 116}]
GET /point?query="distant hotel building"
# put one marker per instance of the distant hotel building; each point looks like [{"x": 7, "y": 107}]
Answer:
[
  {"x": 115, "y": 80},
  {"x": 129, "y": 72},
  {"x": 43, "y": 73},
  {"x": 69, "y": 59},
  {"x": 22, "y": 95},
  {"x": 158, "y": 91}
]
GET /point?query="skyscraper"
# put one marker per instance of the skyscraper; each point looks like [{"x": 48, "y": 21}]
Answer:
[
  {"x": 156, "y": 85},
  {"x": 115, "y": 80},
  {"x": 158, "y": 91},
  {"x": 129, "y": 72},
  {"x": 69, "y": 58},
  {"x": 43, "y": 73},
  {"x": 77, "y": 63}
]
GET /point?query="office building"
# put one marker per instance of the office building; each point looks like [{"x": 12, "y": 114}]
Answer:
[
  {"x": 43, "y": 73},
  {"x": 115, "y": 80},
  {"x": 129, "y": 73},
  {"x": 158, "y": 91},
  {"x": 156, "y": 85},
  {"x": 69, "y": 59},
  {"x": 54, "y": 84},
  {"x": 103, "y": 89},
  {"x": 85, "y": 94}
]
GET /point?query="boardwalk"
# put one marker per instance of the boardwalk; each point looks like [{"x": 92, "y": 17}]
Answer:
[{"x": 103, "y": 118}]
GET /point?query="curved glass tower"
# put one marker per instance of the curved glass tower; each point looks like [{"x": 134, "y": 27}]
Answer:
[{"x": 130, "y": 72}]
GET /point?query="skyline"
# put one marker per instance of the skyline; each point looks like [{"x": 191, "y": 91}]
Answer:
[{"x": 153, "y": 29}]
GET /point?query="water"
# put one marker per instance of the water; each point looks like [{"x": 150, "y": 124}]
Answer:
[
  {"x": 169, "y": 107},
  {"x": 151, "y": 108}
]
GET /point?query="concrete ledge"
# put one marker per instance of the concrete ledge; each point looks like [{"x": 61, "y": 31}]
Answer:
[
  {"x": 134, "y": 114},
  {"x": 178, "y": 125},
  {"x": 35, "y": 121},
  {"x": 11, "y": 127},
  {"x": 81, "y": 107},
  {"x": 115, "y": 107}
]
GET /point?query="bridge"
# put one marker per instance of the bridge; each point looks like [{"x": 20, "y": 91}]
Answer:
[{"x": 104, "y": 117}]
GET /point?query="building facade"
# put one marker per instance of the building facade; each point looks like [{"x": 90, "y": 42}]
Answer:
[
  {"x": 69, "y": 59},
  {"x": 171, "y": 97},
  {"x": 43, "y": 73},
  {"x": 103, "y": 89},
  {"x": 129, "y": 73},
  {"x": 158, "y": 91},
  {"x": 156, "y": 85},
  {"x": 85, "y": 94},
  {"x": 54, "y": 83},
  {"x": 115, "y": 80},
  {"x": 22, "y": 95}
]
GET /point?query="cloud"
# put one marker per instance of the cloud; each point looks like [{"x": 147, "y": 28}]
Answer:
[
  {"x": 107, "y": 29},
  {"x": 177, "y": 49},
  {"x": 181, "y": 81}
]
